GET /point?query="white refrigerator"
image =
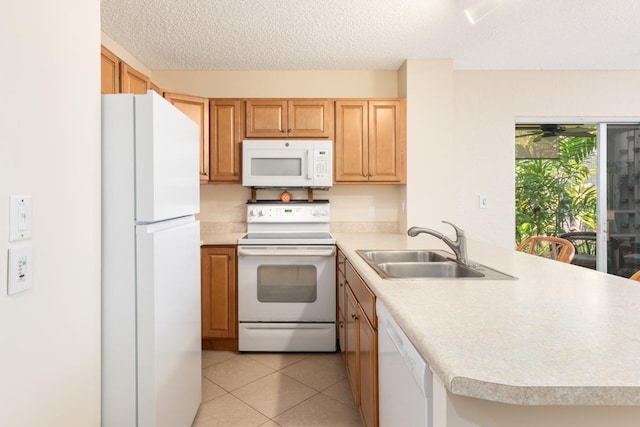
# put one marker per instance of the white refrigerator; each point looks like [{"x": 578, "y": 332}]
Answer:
[{"x": 151, "y": 342}]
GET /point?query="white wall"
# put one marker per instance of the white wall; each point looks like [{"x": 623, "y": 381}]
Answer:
[
  {"x": 430, "y": 193},
  {"x": 487, "y": 105},
  {"x": 460, "y": 135},
  {"x": 50, "y": 149},
  {"x": 280, "y": 84}
]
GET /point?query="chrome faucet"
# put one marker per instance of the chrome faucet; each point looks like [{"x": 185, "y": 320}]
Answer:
[{"x": 459, "y": 246}]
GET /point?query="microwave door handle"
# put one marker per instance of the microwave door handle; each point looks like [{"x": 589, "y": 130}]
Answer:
[{"x": 309, "y": 164}]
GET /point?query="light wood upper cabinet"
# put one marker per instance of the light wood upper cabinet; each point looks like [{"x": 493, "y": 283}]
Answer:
[
  {"x": 351, "y": 151},
  {"x": 225, "y": 139},
  {"x": 219, "y": 313},
  {"x": 197, "y": 109},
  {"x": 156, "y": 88},
  {"x": 279, "y": 118},
  {"x": 309, "y": 118},
  {"x": 109, "y": 71},
  {"x": 132, "y": 80},
  {"x": 370, "y": 144}
]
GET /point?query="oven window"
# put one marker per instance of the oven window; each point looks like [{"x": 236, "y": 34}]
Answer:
[
  {"x": 287, "y": 283},
  {"x": 261, "y": 166}
]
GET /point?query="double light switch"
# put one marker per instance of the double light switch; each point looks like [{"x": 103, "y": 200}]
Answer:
[{"x": 20, "y": 258}]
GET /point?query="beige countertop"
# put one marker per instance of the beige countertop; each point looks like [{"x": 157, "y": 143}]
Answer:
[
  {"x": 220, "y": 238},
  {"x": 559, "y": 335}
]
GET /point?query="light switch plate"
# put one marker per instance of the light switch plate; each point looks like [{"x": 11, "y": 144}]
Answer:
[
  {"x": 20, "y": 213},
  {"x": 19, "y": 269},
  {"x": 483, "y": 202}
]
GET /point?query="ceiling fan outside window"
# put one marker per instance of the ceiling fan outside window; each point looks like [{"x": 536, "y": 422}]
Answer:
[{"x": 541, "y": 141}]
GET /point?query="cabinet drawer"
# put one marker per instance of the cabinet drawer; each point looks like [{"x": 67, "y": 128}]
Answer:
[{"x": 366, "y": 298}]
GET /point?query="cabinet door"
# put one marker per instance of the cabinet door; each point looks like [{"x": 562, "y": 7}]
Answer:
[
  {"x": 351, "y": 144},
  {"x": 132, "y": 80},
  {"x": 368, "y": 366},
  {"x": 266, "y": 118},
  {"x": 342, "y": 309},
  {"x": 309, "y": 119},
  {"x": 386, "y": 141},
  {"x": 351, "y": 338},
  {"x": 342, "y": 335},
  {"x": 197, "y": 109},
  {"x": 219, "y": 314},
  {"x": 226, "y": 136},
  {"x": 109, "y": 72}
]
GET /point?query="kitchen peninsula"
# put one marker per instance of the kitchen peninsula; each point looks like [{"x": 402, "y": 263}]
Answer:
[{"x": 559, "y": 346}]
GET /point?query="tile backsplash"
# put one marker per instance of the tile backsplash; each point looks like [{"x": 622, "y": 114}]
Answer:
[{"x": 354, "y": 208}]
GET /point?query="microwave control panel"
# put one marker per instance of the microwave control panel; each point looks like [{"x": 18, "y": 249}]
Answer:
[{"x": 322, "y": 164}]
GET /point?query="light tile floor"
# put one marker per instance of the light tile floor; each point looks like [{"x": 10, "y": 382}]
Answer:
[{"x": 275, "y": 389}]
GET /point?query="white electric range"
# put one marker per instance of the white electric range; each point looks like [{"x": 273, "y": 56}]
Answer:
[{"x": 286, "y": 278}]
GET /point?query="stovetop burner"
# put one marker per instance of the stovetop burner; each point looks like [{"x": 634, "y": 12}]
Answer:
[
  {"x": 280, "y": 202},
  {"x": 287, "y": 238}
]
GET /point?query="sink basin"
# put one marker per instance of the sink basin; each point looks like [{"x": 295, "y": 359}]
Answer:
[
  {"x": 427, "y": 269},
  {"x": 402, "y": 256},
  {"x": 423, "y": 264}
]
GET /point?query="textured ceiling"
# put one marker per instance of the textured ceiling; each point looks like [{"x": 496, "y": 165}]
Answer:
[{"x": 374, "y": 34}]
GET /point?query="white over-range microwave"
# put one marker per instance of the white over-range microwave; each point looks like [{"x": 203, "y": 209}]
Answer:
[{"x": 287, "y": 163}]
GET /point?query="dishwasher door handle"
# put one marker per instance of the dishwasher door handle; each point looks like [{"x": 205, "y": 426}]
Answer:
[{"x": 325, "y": 251}]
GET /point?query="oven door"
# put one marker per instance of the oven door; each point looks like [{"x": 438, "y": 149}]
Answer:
[{"x": 286, "y": 283}]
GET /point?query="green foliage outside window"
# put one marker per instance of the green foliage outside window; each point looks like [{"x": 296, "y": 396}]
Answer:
[{"x": 554, "y": 196}]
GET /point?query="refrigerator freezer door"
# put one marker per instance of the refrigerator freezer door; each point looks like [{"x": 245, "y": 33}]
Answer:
[
  {"x": 166, "y": 159},
  {"x": 168, "y": 317},
  {"x": 149, "y": 142}
]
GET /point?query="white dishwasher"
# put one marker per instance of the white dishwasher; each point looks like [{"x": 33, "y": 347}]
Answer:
[{"x": 405, "y": 381}]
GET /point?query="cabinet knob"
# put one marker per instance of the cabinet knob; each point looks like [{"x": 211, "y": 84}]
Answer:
[
  {"x": 341, "y": 284},
  {"x": 354, "y": 317},
  {"x": 288, "y": 130},
  {"x": 365, "y": 175}
]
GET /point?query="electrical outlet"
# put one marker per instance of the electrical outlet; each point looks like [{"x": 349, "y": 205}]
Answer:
[{"x": 19, "y": 270}]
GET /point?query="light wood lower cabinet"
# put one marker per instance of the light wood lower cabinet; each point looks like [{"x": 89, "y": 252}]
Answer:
[
  {"x": 359, "y": 340},
  {"x": 219, "y": 298},
  {"x": 340, "y": 298}
]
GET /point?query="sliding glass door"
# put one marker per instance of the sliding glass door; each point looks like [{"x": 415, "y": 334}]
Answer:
[
  {"x": 582, "y": 182},
  {"x": 619, "y": 229}
]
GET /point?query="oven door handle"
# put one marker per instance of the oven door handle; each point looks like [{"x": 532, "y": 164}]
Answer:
[{"x": 287, "y": 251}]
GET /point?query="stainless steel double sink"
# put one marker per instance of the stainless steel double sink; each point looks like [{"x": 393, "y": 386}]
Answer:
[{"x": 421, "y": 264}]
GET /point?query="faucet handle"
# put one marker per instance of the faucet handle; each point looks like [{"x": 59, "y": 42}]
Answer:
[{"x": 459, "y": 231}]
